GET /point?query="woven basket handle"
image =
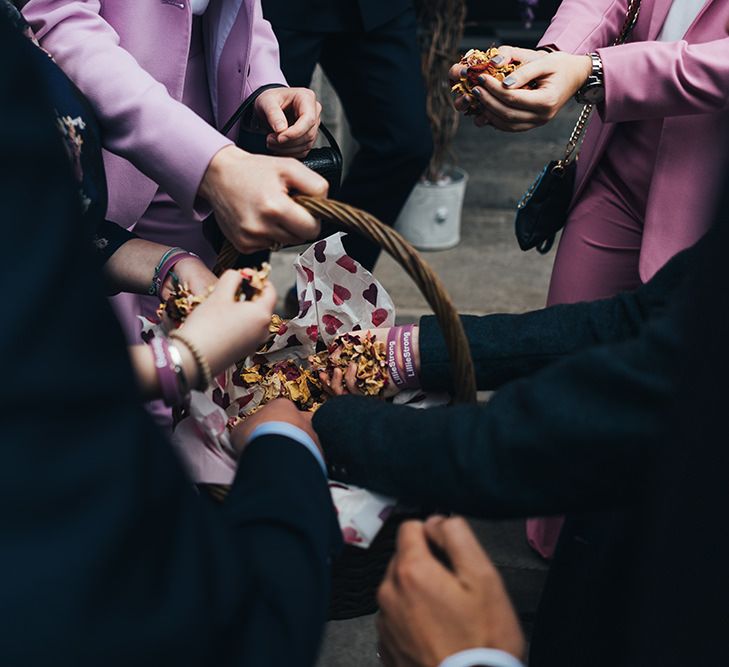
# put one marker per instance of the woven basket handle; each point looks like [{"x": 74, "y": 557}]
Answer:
[{"x": 355, "y": 220}]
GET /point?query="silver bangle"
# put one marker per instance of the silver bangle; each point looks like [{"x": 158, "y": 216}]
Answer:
[{"x": 179, "y": 370}]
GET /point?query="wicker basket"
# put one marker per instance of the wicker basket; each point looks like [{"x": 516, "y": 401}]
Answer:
[{"x": 358, "y": 573}]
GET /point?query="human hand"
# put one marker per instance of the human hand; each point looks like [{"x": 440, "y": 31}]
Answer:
[
  {"x": 506, "y": 56},
  {"x": 280, "y": 410},
  {"x": 431, "y": 610},
  {"x": 192, "y": 272},
  {"x": 277, "y": 106},
  {"x": 250, "y": 197},
  {"x": 226, "y": 330},
  {"x": 339, "y": 382},
  {"x": 532, "y": 95}
]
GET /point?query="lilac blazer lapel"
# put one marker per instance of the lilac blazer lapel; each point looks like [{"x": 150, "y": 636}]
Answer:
[{"x": 703, "y": 20}]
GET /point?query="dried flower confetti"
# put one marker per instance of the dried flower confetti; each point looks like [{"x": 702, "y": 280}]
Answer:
[
  {"x": 253, "y": 282},
  {"x": 477, "y": 63},
  {"x": 182, "y": 301},
  {"x": 285, "y": 379},
  {"x": 367, "y": 353}
]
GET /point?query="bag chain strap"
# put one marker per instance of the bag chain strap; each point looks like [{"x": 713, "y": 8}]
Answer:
[{"x": 571, "y": 152}]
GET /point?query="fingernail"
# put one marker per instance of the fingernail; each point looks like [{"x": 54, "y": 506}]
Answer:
[
  {"x": 509, "y": 81},
  {"x": 482, "y": 79},
  {"x": 497, "y": 60},
  {"x": 476, "y": 92},
  {"x": 464, "y": 71}
]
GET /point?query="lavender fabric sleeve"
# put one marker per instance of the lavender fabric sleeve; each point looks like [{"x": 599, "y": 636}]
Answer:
[{"x": 142, "y": 122}]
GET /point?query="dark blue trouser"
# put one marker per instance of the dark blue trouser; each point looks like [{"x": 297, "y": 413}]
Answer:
[{"x": 377, "y": 75}]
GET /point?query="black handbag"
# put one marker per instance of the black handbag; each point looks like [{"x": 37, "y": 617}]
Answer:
[
  {"x": 543, "y": 210},
  {"x": 326, "y": 161}
]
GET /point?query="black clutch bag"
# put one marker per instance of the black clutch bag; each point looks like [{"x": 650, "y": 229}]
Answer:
[
  {"x": 326, "y": 161},
  {"x": 543, "y": 210}
]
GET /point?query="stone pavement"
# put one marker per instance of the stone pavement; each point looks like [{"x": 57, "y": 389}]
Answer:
[{"x": 486, "y": 273}]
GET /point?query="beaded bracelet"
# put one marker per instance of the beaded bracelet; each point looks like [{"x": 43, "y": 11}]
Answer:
[{"x": 206, "y": 375}]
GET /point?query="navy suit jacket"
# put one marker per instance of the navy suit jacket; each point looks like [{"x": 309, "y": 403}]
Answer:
[
  {"x": 108, "y": 555},
  {"x": 612, "y": 411}
]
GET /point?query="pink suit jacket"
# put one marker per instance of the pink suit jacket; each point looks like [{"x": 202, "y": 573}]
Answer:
[
  {"x": 686, "y": 83},
  {"x": 130, "y": 58}
]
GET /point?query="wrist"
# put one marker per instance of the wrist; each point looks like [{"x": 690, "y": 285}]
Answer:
[
  {"x": 403, "y": 358},
  {"x": 163, "y": 271},
  {"x": 172, "y": 382},
  {"x": 592, "y": 88},
  {"x": 219, "y": 165},
  {"x": 189, "y": 366},
  {"x": 204, "y": 375},
  {"x": 586, "y": 69}
]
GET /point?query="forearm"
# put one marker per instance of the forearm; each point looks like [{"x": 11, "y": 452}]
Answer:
[
  {"x": 145, "y": 370},
  {"x": 131, "y": 267},
  {"x": 581, "y": 434},
  {"x": 685, "y": 79},
  {"x": 507, "y": 347}
]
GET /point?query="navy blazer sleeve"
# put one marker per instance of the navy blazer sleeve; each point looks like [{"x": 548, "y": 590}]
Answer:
[
  {"x": 581, "y": 433},
  {"x": 109, "y": 556},
  {"x": 506, "y": 347},
  {"x": 575, "y": 421}
]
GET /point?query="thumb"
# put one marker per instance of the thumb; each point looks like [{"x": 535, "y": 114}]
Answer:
[
  {"x": 303, "y": 180},
  {"x": 267, "y": 298},
  {"x": 228, "y": 284},
  {"x": 269, "y": 106}
]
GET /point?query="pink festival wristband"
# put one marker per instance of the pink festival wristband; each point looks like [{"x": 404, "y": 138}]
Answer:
[{"x": 401, "y": 357}]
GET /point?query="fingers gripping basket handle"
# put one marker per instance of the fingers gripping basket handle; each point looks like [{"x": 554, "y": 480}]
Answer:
[{"x": 358, "y": 221}]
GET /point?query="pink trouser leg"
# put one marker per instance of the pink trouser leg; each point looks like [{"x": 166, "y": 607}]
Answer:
[{"x": 597, "y": 258}]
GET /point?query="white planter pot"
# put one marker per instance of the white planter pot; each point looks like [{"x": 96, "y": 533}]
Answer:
[{"x": 431, "y": 219}]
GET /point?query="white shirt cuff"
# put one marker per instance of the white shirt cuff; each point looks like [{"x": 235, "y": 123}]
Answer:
[
  {"x": 488, "y": 657},
  {"x": 292, "y": 432}
]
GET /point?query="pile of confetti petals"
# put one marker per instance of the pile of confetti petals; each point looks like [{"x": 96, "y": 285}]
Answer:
[
  {"x": 367, "y": 353},
  {"x": 475, "y": 63}
]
